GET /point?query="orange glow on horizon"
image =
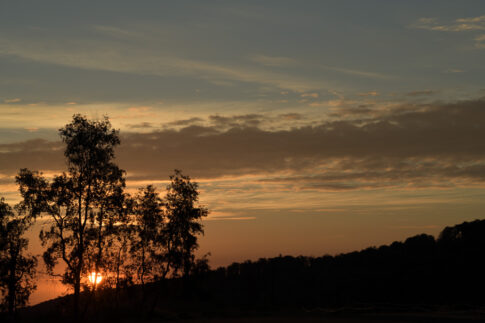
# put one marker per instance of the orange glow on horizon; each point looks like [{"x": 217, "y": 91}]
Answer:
[{"x": 95, "y": 278}]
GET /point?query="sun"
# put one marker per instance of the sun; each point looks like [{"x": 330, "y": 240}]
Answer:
[{"x": 94, "y": 278}]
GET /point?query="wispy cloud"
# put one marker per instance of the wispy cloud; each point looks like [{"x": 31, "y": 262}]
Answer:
[
  {"x": 310, "y": 95},
  {"x": 355, "y": 72},
  {"x": 15, "y": 100},
  {"x": 479, "y": 19},
  {"x": 184, "y": 122},
  {"x": 371, "y": 93},
  {"x": 116, "y": 57},
  {"x": 32, "y": 129},
  {"x": 471, "y": 24},
  {"x": 280, "y": 61},
  {"x": 142, "y": 125},
  {"x": 480, "y": 41},
  {"x": 274, "y": 60},
  {"x": 421, "y": 93},
  {"x": 292, "y": 116},
  {"x": 116, "y": 32},
  {"x": 458, "y": 25}
]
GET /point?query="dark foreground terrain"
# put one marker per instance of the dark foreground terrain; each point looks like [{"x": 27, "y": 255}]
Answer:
[
  {"x": 389, "y": 314},
  {"x": 432, "y": 280},
  {"x": 398, "y": 317}
]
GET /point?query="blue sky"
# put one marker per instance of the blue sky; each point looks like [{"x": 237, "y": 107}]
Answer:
[{"x": 212, "y": 52}]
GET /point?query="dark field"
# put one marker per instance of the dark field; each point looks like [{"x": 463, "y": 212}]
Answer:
[
  {"x": 418, "y": 280},
  {"x": 391, "y": 318},
  {"x": 46, "y": 312}
]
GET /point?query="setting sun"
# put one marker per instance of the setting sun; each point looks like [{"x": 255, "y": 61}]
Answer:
[{"x": 95, "y": 278}]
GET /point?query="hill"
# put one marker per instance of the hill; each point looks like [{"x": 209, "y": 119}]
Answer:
[{"x": 421, "y": 275}]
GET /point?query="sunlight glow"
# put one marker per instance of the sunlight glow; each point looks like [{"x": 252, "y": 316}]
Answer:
[{"x": 95, "y": 278}]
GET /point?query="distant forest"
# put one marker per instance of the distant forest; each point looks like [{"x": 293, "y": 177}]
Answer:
[
  {"x": 420, "y": 274},
  {"x": 449, "y": 270}
]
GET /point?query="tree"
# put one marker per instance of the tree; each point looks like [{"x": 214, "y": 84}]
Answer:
[
  {"x": 148, "y": 240},
  {"x": 83, "y": 203},
  {"x": 118, "y": 263},
  {"x": 110, "y": 211},
  {"x": 17, "y": 270},
  {"x": 183, "y": 222}
]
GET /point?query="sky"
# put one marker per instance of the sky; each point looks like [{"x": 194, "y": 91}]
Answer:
[{"x": 315, "y": 127}]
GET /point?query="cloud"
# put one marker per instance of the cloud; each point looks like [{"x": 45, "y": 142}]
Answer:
[
  {"x": 12, "y": 100},
  {"x": 246, "y": 120},
  {"x": 371, "y": 93},
  {"x": 458, "y": 25},
  {"x": 420, "y": 93},
  {"x": 142, "y": 125},
  {"x": 273, "y": 60},
  {"x": 184, "y": 122},
  {"x": 355, "y": 72},
  {"x": 120, "y": 33},
  {"x": 480, "y": 41},
  {"x": 113, "y": 56},
  {"x": 479, "y": 19},
  {"x": 278, "y": 61},
  {"x": 362, "y": 110},
  {"x": 375, "y": 173},
  {"x": 343, "y": 108},
  {"x": 291, "y": 116},
  {"x": 430, "y": 145},
  {"x": 471, "y": 24},
  {"x": 34, "y": 154},
  {"x": 435, "y": 145},
  {"x": 309, "y": 95}
]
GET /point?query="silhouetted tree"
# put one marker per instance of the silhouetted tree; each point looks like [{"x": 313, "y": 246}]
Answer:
[
  {"x": 17, "y": 270},
  {"x": 109, "y": 211},
  {"x": 148, "y": 240},
  {"x": 183, "y": 222},
  {"x": 83, "y": 204},
  {"x": 118, "y": 260}
]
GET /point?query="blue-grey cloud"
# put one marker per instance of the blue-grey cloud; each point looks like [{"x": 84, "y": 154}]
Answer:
[{"x": 437, "y": 144}]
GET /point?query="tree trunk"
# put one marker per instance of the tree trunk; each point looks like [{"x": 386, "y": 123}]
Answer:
[
  {"x": 12, "y": 279},
  {"x": 77, "y": 292},
  {"x": 11, "y": 292}
]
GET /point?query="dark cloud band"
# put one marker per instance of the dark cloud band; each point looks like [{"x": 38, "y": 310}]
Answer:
[{"x": 425, "y": 145}]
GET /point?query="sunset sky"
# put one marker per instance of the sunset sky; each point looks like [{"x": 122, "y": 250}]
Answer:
[{"x": 312, "y": 127}]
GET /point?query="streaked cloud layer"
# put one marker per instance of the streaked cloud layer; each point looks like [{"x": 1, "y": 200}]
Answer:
[
  {"x": 421, "y": 144},
  {"x": 58, "y": 53}
]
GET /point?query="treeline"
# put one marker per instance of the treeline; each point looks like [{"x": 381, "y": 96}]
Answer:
[
  {"x": 421, "y": 270},
  {"x": 422, "y": 273},
  {"x": 101, "y": 235}
]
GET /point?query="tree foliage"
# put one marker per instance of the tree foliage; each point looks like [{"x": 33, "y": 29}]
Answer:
[
  {"x": 95, "y": 226},
  {"x": 183, "y": 222},
  {"x": 83, "y": 203},
  {"x": 17, "y": 269},
  {"x": 148, "y": 241}
]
